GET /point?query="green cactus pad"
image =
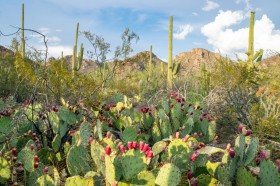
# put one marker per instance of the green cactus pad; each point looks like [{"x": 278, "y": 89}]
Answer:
[
  {"x": 69, "y": 117},
  {"x": 133, "y": 162},
  {"x": 251, "y": 151},
  {"x": 166, "y": 106},
  {"x": 148, "y": 120},
  {"x": 156, "y": 134},
  {"x": 77, "y": 161},
  {"x": 188, "y": 126},
  {"x": 45, "y": 180},
  {"x": 79, "y": 181},
  {"x": 129, "y": 134},
  {"x": 56, "y": 143},
  {"x": 56, "y": 177},
  {"x": 240, "y": 146},
  {"x": 110, "y": 173},
  {"x": 180, "y": 153},
  {"x": 206, "y": 180},
  {"x": 25, "y": 156},
  {"x": 169, "y": 175},
  {"x": 54, "y": 121},
  {"x": 269, "y": 174},
  {"x": 244, "y": 178},
  {"x": 212, "y": 167},
  {"x": 4, "y": 170},
  {"x": 165, "y": 128},
  {"x": 159, "y": 147},
  {"x": 211, "y": 133},
  {"x": 144, "y": 178},
  {"x": 221, "y": 173},
  {"x": 85, "y": 130},
  {"x": 97, "y": 151},
  {"x": 6, "y": 125},
  {"x": 209, "y": 150}
]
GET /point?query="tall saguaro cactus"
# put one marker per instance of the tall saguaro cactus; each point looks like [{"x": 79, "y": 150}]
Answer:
[
  {"x": 150, "y": 62},
  {"x": 170, "y": 62},
  {"x": 22, "y": 33},
  {"x": 251, "y": 38},
  {"x": 253, "y": 59},
  {"x": 77, "y": 58}
]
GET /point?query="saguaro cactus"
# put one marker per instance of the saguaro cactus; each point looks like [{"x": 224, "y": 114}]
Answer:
[
  {"x": 77, "y": 59},
  {"x": 257, "y": 57},
  {"x": 22, "y": 32},
  {"x": 170, "y": 62},
  {"x": 150, "y": 62}
]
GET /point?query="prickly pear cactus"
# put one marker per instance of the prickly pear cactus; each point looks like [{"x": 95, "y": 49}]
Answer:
[
  {"x": 180, "y": 153},
  {"x": 129, "y": 134},
  {"x": 4, "y": 170},
  {"x": 85, "y": 130},
  {"x": 244, "y": 178},
  {"x": 6, "y": 125},
  {"x": 144, "y": 178},
  {"x": 133, "y": 162},
  {"x": 169, "y": 175},
  {"x": 26, "y": 155},
  {"x": 158, "y": 147},
  {"x": 45, "y": 180},
  {"x": 78, "y": 161},
  {"x": 112, "y": 172},
  {"x": 97, "y": 152},
  {"x": 205, "y": 180},
  {"x": 79, "y": 181},
  {"x": 269, "y": 174},
  {"x": 251, "y": 151}
]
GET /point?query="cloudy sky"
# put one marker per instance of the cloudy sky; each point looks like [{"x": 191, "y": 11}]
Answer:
[{"x": 217, "y": 25}]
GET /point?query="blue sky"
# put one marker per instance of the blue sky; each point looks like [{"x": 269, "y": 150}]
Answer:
[{"x": 217, "y": 25}]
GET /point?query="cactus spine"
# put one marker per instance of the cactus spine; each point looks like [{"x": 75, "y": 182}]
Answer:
[
  {"x": 77, "y": 60},
  {"x": 170, "y": 63},
  {"x": 150, "y": 62},
  {"x": 22, "y": 32}
]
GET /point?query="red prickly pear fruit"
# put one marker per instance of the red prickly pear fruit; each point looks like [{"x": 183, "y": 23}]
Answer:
[
  {"x": 278, "y": 161},
  {"x": 129, "y": 145},
  {"x": 139, "y": 131},
  {"x": 189, "y": 175},
  {"x": 202, "y": 144},
  {"x": 240, "y": 128},
  {"x": 23, "y": 105},
  {"x": 110, "y": 124},
  {"x": 178, "y": 100},
  {"x": 248, "y": 132},
  {"x": 13, "y": 151},
  {"x": 263, "y": 155},
  {"x": 123, "y": 107},
  {"x": 14, "y": 159},
  {"x": 108, "y": 150},
  {"x": 194, "y": 182},
  {"x": 231, "y": 153},
  {"x": 182, "y": 109},
  {"x": 149, "y": 156},
  {"x": 90, "y": 140},
  {"x": 115, "y": 184},
  {"x": 195, "y": 134},
  {"x": 228, "y": 147},
  {"x": 200, "y": 134},
  {"x": 134, "y": 145},
  {"x": 141, "y": 145},
  {"x": 183, "y": 99},
  {"x": 26, "y": 102},
  {"x": 198, "y": 107},
  {"x": 145, "y": 148},
  {"x": 108, "y": 134},
  {"x": 114, "y": 105},
  {"x": 46, "y": 170},
  {"x": 122, "y": 149},
  {"x": 14, "y": 173},
  {"x": 171, "y": 105},
  {"x": 32, "y": 147},
  {"x": 193, "y": 157},
  {"x": 177, "y": 135},
  {"x": 186, "y": 137},
  {"x": 35, "y": 158},
  {"x": 8, "y": 158}
]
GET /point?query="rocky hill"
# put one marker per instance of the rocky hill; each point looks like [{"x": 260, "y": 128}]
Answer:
[{"x": 193, "y": 59}]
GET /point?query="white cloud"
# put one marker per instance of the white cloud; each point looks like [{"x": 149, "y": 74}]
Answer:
[
  {"x": 210, "y": 5},
  {"x": 195, "y": 13},
  {"x": 55, "y": 51},
  {"x": 183, "y": 31},
  {"x": 230, "y": 42},
  {"x": 141, "y": 18},
  {"x": 53, "y": 39},
  {"x": 44, "y": 30}
]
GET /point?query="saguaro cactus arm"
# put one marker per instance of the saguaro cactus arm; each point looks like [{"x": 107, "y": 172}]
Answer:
[{"x": 77, "y": 59}]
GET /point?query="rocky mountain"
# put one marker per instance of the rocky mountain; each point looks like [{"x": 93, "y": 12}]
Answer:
[{"x": 193, "y": 59}]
